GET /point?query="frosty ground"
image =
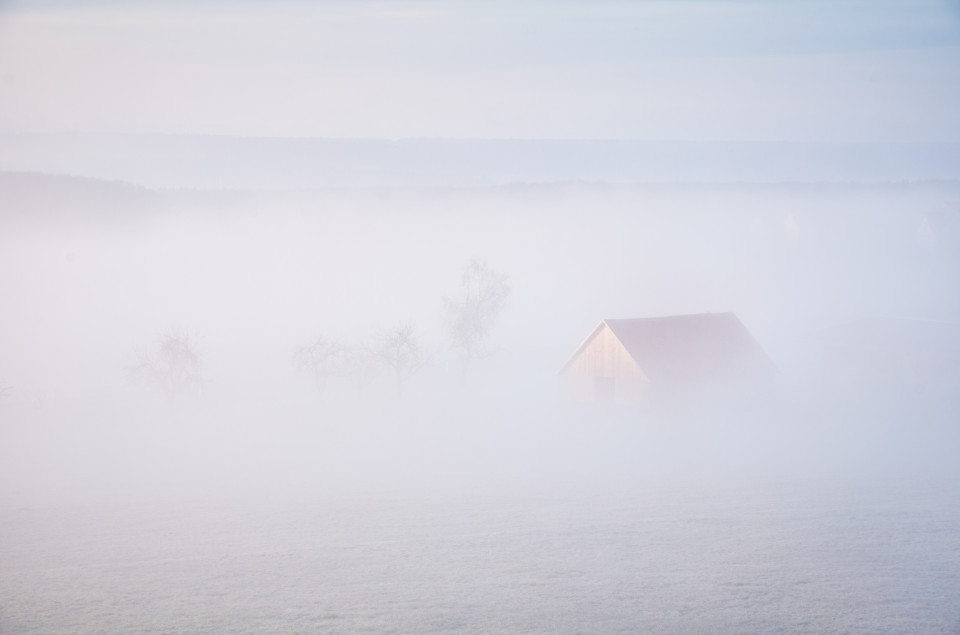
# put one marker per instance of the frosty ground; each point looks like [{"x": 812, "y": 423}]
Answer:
[
  {"x": 622, "y": 527},
  {"x": 796, "y": 557}
]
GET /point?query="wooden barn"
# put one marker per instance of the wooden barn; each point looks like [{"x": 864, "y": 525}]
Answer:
[{"x": 626, "y": 359}]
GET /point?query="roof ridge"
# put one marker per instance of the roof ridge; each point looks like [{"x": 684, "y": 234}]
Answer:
[{"x": 669, "y": 317}]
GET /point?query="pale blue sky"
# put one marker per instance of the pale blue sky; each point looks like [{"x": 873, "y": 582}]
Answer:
[{"x": 792, "y": 70}]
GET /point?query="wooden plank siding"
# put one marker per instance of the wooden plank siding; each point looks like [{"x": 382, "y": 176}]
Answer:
[{"x": 604, "y": 369}]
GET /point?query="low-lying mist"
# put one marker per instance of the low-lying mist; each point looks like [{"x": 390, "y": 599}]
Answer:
[{"x": 248, "y": 280}]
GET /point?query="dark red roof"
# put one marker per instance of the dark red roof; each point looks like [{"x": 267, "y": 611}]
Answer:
[{"x": 682, "y": 349}]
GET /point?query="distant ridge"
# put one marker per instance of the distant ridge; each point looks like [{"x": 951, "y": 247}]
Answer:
[
  {"x": 223, "y": 162},
  {"x": 31, "y": 194}
]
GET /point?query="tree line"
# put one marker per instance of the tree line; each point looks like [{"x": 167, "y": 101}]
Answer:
[{"x": 173, "y": 364}]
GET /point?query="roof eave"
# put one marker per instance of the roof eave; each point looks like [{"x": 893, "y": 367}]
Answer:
[{"x": 583, "y": 345}]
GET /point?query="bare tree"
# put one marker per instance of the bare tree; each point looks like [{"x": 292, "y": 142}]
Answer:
[
  {"x": 325, "y": 359},
  {"x": 399, "y": 350},
  {"x": 472, "y": 314},
  {"x": 173, "y": 364}
]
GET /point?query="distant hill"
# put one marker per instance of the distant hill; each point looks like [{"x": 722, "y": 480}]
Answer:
[
  {"x": 220, "y": 162},
  {"x": 27, "y": 195}
]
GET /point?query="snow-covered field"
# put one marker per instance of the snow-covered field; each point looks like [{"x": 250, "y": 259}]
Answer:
[
  {"x": 798, "y": 556},
  {"x": 618, "y": 542}
]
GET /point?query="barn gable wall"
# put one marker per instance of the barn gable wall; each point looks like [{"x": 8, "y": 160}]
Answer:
[{"x": 603, "y": 364}]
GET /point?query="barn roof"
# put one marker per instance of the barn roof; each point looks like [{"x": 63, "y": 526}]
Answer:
[{"x": 688, "y": 348}]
